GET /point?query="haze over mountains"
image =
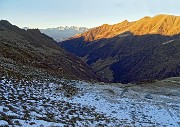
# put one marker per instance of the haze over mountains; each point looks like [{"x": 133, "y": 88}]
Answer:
[
  {"x": 62, "y": 33},
  {"x": 146, "y": 49}
]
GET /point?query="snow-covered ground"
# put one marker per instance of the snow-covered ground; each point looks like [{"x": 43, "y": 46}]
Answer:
[{"x": 77, "y": 103}]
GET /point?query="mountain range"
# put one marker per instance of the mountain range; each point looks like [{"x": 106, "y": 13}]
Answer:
[
  {"x": 41, "y": 84},
  {"x": 159, "y": 24},
  {"x": 143, "y": 50},
  {"x": 29, "y": 52},
  {"x": 147, "y": 49},
  {"x": 62, "y": 33}
]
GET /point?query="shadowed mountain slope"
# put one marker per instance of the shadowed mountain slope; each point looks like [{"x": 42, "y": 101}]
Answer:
[
  {"x": 33, "y": 53},
  {"x": 135, "y": 55}
]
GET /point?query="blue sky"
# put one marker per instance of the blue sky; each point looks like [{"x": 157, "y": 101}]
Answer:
[{"x": 89, "y": 13}]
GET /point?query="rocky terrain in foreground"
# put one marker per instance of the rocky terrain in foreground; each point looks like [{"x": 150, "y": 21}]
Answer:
[
  {"x": 43, "y": 85},
  {"x": 59, "y": 102}
]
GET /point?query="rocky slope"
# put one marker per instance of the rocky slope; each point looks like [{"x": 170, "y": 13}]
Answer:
[
  {"x": 62, "y": 33},
  {"x": 135, "y": 55},
  {"x": 33, "y": 53},
  {"x": 59, "y": 102}
]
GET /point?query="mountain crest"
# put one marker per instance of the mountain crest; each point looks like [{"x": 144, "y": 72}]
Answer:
[{"x": 159, "y": 24}]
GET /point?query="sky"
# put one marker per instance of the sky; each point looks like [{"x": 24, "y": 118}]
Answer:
[{"x": 87, "y": 13}]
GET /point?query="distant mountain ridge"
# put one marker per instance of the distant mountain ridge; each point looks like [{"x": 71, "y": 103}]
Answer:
[
  {"x": 62, "y": 33},
  {"x": 159, "y": 24},
  {"x": 147, "y": 49}
]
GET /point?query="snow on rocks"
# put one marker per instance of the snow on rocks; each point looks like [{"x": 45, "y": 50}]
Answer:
[{"x": 76, "y": 103}]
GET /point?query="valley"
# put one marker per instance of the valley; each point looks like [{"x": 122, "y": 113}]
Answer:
[
  {"x": 133, "y": 53},
  {"x": 121, "y": 75}
]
